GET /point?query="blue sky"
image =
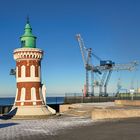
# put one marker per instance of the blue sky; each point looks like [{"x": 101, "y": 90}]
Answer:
[{"x": 110, "y": 27}]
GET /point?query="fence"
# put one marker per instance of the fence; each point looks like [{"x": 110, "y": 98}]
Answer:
[{"x": 78, "y": 98}]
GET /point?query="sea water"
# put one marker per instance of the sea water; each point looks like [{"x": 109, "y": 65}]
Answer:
[{"x": 50, "y": 100}]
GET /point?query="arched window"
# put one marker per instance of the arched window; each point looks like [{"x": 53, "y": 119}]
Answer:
[
  {"x": 23, "y": 71},
  {"x": 17, "y": 72},
  {"x": 33, "y": 94},
  {"x": 40, "y": 93},
  {"x": 16, "y": 95},
  {"x": 38, "y": 71},
  {"x": 32, "y": 71},
  {"x": 23, "y": 43},
  {"x": 22, "y": 97}
]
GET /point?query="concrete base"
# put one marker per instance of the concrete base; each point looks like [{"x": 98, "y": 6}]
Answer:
[
  {"x": 63, "y": 108},
  {"x": 127, "y": 102},
  {"x": 101, "y": 114},
  {"x": 31, "y": 111}
]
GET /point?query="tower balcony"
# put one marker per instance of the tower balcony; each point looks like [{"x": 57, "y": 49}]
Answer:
[{"x": 28, "y": 53}]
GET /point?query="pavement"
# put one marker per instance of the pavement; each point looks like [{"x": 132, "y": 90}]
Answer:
[
  {"x": 127, "y": 129},
  {"x": 71, "y": 127},
  {"x": 40, "y": 128}
]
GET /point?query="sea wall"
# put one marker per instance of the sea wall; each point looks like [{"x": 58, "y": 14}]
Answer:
[
  {"x": 128, "y": 102},
  {"x": 5, "y": 109},
  {"x": 101, "y": 114},
  {"x": 63, "y": 108}
]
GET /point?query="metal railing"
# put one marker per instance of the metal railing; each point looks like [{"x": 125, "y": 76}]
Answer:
[{"x": 78, "y": 98}]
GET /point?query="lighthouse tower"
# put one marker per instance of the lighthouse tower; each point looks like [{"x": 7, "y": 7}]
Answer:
[{"x": 29, "y": 99}]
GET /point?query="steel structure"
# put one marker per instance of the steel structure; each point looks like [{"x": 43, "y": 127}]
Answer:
[
  {"x": 86, "y": 56},
  {"x": 105, "y": 68},
  {"x": 107, "y": 71},
  {"x": 117, "y": 67}
]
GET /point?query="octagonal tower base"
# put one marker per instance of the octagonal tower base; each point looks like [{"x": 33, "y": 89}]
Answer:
[{"x": 23, "y": 112}]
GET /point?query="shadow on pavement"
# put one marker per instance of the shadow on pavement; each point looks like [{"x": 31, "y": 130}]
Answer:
[{"x": 7, "y": 125}]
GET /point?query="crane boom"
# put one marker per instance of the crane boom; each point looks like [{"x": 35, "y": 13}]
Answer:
[
  {"x": 117, "y": 67},
  {"x": 82, "y": 48}
]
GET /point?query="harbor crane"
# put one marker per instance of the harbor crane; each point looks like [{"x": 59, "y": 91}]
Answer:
[
  {"x": 86, "y": 56},
  {"x": 89, "y": 67},
  {"x": 104, "y": 69},
  {"x": 87, "y": 60},
  {"x": 108, "y": 71}
]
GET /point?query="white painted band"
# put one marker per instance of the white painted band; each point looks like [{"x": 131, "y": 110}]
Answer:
[
  {"x": 34, "y": 103},
  {"x": 29, "y": 79},
  {"x": 28, "y": 101}
]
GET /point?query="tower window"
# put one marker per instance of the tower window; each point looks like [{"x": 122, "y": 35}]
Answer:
[
  {"x": 16, "y": 71},
  {"x": 32, "y": 71},
  {"x": 23, "y": 71},
  {"x": 22, "y": 98},
  {"x": 33, "y": 94},
  {"x": 39, "y": 71},
  {"x": 22, "y": 43}
]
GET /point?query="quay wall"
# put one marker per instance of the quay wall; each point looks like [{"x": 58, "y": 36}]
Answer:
[
  {"x": 128, "y": 102},
  {"x": 102, "y": 114}
]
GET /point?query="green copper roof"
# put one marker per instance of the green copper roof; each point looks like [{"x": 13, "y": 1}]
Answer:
[{"x": 28, "y": 40}]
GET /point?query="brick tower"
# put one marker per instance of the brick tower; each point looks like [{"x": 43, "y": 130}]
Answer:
[{"x": 29, "y": 99}]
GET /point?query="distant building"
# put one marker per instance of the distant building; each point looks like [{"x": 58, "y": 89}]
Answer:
[{"x": 138, "y": 90}]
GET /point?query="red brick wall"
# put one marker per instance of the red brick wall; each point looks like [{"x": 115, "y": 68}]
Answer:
[
  {"x": 28, "y": 64},
  {"x": 28, "y": 86}
]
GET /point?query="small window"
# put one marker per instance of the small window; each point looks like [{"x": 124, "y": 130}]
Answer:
[
  {"x": 32, "y": 71},
  {"x": 23, "y": 43},
  {"x": 23, "y": 71},
  {"x": 22, "y": 97},
  {"x": 33, "y": 94},
  {"x": 39, "y": 71},
  {"x": 17, "y": 72}
]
